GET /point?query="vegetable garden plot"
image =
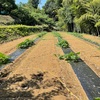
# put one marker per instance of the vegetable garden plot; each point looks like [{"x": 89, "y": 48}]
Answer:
[
  {"x": 89, "y": 80},
  {"x": 39, "y": 75},
  {"x": 22, "y": 47}
]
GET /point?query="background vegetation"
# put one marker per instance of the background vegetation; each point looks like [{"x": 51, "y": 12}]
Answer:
[{"x": 82, "y": 16}]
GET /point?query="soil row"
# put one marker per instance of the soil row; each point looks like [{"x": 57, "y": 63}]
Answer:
[
  {"x": 89, "y": 53},
  {"x": 92, "y": 38},
  {"x": 9, "y": 47}
]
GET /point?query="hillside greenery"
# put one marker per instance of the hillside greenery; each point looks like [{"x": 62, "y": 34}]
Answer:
[{"x": 81, "y": 16}]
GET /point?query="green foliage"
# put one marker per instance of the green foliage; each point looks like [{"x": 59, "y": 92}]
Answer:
[
  {"x": 3, "y": 58},
  {"x": 6, "y": 6},
  {"x": 56, "y": 34},
  {"x": 74, "y": 57},
  {"x": 51, "y": 8},
  {"x": 42, "y": 34},
  {"x": 33, "y": 3},
  {"x": 97, "y": 98},
  {"x": 8, "y": 33},
  {"x": 63, "y": 43},
  {"x": 26, "y": 44},
  {"x": 81, "y": 16}
]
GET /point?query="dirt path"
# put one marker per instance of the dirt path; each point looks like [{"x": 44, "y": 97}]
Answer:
[
  {"x": 9, "y": 47},
  {"x": 42, "y": 76},
  {"x": 92, "y": 38},
  {"x": 89, "y": 54}
]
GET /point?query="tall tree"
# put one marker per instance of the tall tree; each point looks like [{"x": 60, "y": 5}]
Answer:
[
  {"x": 34, "y": 3},
  {"x": 51, "y": 8},
  {"x": 6, "y": 6}
]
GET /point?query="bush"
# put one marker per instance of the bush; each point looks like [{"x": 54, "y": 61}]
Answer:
[
  {"x": 8, "y": 33},
  {"x": 3, "y": 58},
  {"x": 26, "y": 44}
]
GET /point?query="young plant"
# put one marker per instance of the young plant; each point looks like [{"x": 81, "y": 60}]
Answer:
[
  {"x": 3, "y": 58},
  {"x": 41, "y": 34},
  {"x": 63, "y": 43},
  {"x": 57, "y": 34},
  {"x": 97, "y": 98},
  {"x": 26, "y": 44},
  {"x": 70, "y": 57}
]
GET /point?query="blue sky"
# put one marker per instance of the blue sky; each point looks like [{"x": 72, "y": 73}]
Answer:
[{"x": 25, "y": 1}]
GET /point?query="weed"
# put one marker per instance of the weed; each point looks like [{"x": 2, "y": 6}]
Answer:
[
  {"x": 3, "y": 58},
  {"x": 26, "y": 44}
]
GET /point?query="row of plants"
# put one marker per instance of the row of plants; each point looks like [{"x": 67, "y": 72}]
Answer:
[
  {"x": 28, "y": 43},
  {"x": 64, "y": 44},
  {"x": 4, "y": 59},
  {"x": 61, "y": 42},
  {"x": 8, "y": 33},
  {"x": 81, "y": 37},
  {"x": 42, "y": 34}
]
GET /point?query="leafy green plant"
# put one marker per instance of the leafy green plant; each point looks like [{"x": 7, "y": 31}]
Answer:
[
  {"x": 26, "y": 44},
  {"x": 70, "y": 57},
  {"x": 97, "y": 98},
  {"x": 11, "y": 32},
  {"x": 3, "y": 58},
  {"x": 41, "y": 34},
  {"x": 63, "y": 43}
]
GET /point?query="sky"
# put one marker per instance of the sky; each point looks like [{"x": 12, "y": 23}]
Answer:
[{"x": 25, "y": 1}]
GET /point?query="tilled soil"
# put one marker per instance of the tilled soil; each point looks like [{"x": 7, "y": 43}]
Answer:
[
  {"x": 41, "y": 76},
  {"x": 89, "y": 53},
  {"x": 92, "y": 38},
  {"x": 11, "y": 46}
]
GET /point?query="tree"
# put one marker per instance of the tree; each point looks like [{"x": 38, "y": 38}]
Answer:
[
  {"x": 34, "y": 3},
  {"x": 6, "y": 6},
  {"x": 51, "y": 8}
]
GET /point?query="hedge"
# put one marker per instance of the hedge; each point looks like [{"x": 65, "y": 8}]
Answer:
[{"x": 11, "y": 32}]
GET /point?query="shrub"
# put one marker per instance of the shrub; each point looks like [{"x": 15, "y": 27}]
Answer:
[
  {"x": 3, "y": 58},
  {"x": 70, "y": 57},
  {"x": 12, "y": 32},
  {"x": 26, "y": 44}
]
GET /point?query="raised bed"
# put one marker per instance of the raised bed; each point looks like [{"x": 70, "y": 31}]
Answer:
[{"x": 89, "y": 80}]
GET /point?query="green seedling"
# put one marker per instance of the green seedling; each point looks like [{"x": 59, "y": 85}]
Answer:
[
  {"x": 26, "y": 44},
  {"x": 4, "y": 59},
  {"x": 71, "y": 57},
  {"x": 63, "y": 43}
]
